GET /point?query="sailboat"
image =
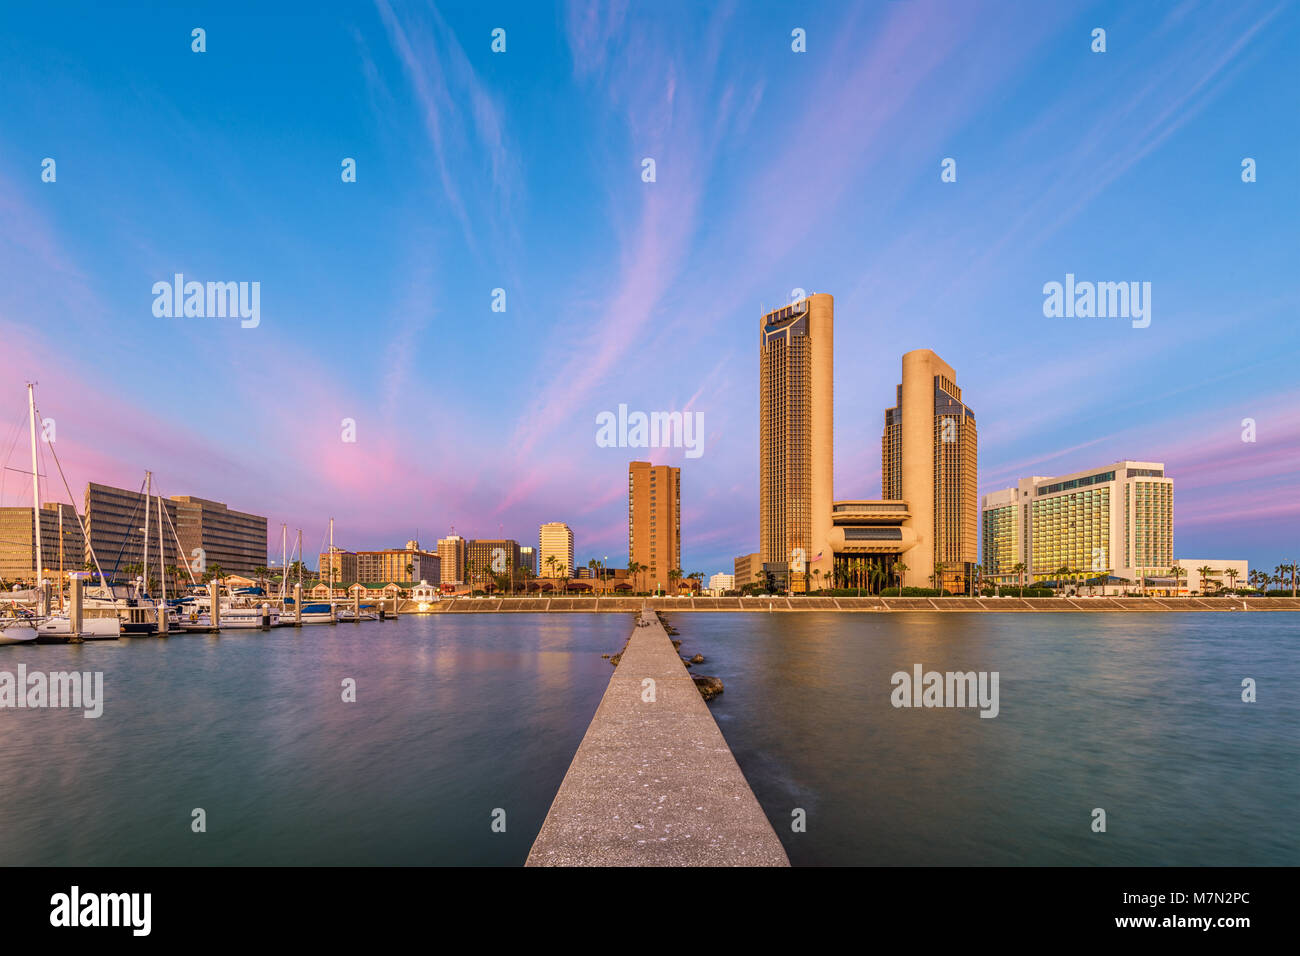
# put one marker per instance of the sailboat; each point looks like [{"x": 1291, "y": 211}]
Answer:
[{"x": 59, "y": 625}]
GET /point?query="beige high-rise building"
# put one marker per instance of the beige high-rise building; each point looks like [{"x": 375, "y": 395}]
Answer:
[
  {"x": 18, "y": 542},
  {"x": 929, "y": 459},
  {"x": 451, "y": 554},
  {"x": 796, "y": 437},
  {"x": 115, "y": 522},
  {"x": 233, "y": 540},
  {"x": 555, "y": 549},
  {"x": 654, "y": 522}
]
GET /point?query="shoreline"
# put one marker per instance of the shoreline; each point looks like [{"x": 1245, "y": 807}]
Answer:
[{"x": 631, "y": 605}]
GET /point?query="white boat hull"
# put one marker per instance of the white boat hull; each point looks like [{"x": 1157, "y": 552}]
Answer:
[
  {"x": 91, "y": 627},
  {"x": 17, "y": 633}
]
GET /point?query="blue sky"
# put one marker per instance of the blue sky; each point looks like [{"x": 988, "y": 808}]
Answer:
[{"x": 521, "y": 170}]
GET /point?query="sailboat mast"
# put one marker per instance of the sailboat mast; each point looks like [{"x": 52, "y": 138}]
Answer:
[
  {"x": 300, "y": 555},
  {"x": 331, "y": 544},
  {"x": 162, "y": 576},
  {"x": 144, "y": 568},
  {"x": 36, "y": 489},
  {"x": 284, "y": 558}
]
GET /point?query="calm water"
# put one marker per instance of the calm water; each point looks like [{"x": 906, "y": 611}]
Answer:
[{"x": 458, "y": 716}]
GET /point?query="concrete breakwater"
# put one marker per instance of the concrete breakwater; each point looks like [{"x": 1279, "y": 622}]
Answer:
[
  {"x": 874, "y": 604},
  {"x": 653, "y": 782}
]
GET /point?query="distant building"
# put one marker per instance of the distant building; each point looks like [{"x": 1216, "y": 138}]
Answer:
[
  {"x": 1218, "y": 577},
  {"x": 528, "y": 558},
  {"x": 451, "y": 551},
  {"x": 748, "y": 570},
  {"x": 234, "y": 540},
  {"x": 1117, "y": 518},
  {"x": 555, "y": 540},
  {"x": 115, "y": 519},
  {"x": 654, "y": 515},
  {"x": 722, "y": 582},
  {"x": 408, "y": 564},
  {"x": 18, "y": 542},
  {"x": 340, "y": 567},
  {"x": 486, "y": 558}
]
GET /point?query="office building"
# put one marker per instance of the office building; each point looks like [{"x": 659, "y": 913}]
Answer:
[
  {"x": 64, "y": 549},
  {"x": 488, "y": 559},
  {"x": 528, "y": 558},
  {"x": 233, "y": 540},
  {"x": 555, "y": 551},
  {"x": 929, "y": 460},
  {"x": 115, "y": 529},
  {"x": 654, "y": 522},
  {"x": 796, "y": 438},
  {"x": 1194, "y": 582},
  {"x": 748, "y": 569},
  {"x": 722, "y": 582},
  {"x": 451, "y": 554}
]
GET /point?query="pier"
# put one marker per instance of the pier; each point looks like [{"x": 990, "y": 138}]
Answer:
[{"x": 653, "y": 782}]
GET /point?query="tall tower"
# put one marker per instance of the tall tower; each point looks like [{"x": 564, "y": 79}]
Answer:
[
  {"x": 555, "y": 540},
  {"x": 929, "y": 459},
  {"x": 654, "y": 521},
  {"x": 796, "y": 434}
]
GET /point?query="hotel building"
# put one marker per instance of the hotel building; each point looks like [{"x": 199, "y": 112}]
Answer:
[
  {"x": 796, "y": 438},
  {"x": 555, "y": 549},
  {"x": 451, "y": 552},
  {"x": 399, "y": 565},
  {"x": 1117, "y": 518},
  {"x": 18, "y": 542},
  {"x": 654, "y": 521},
  {"x": 339, "y": 566},
  {"x": 233, "y": 540}
]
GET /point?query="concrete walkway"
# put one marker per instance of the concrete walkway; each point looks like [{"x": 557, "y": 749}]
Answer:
[{"x": 653, "y": 782}]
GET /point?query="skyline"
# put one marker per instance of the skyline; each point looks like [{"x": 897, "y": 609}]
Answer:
[{"x": 522, "y": 171}]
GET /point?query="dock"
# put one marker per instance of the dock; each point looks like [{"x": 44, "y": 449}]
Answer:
[{"x": 653, "y": 782}]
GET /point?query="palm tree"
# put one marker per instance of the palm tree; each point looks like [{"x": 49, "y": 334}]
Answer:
[
  {"x": 1232, "y": 574},
  {"x": 937, "y": 577},
  {"x": 1205, "y": 571},
  {"x": 899, "y": 570},
  {"x": 674, "y": 575},
  {"x": 1099, "y": 581},
  {"x": 977, "y": 579},
  {"x": 875, "y": 575},
  {"x": 1061, "y": 574},
  {"x": 1019, "y": 569},
  {"x": 1293, "y": 568},
  {"x": 1177, "y": 572},
  {"x": 550, "y": 561}
]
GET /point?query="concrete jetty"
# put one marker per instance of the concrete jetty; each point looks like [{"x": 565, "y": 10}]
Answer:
[{"x": 653, "y": 782}]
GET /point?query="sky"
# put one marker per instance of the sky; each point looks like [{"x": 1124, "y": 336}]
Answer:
[{"x": 775, "y": 170}]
